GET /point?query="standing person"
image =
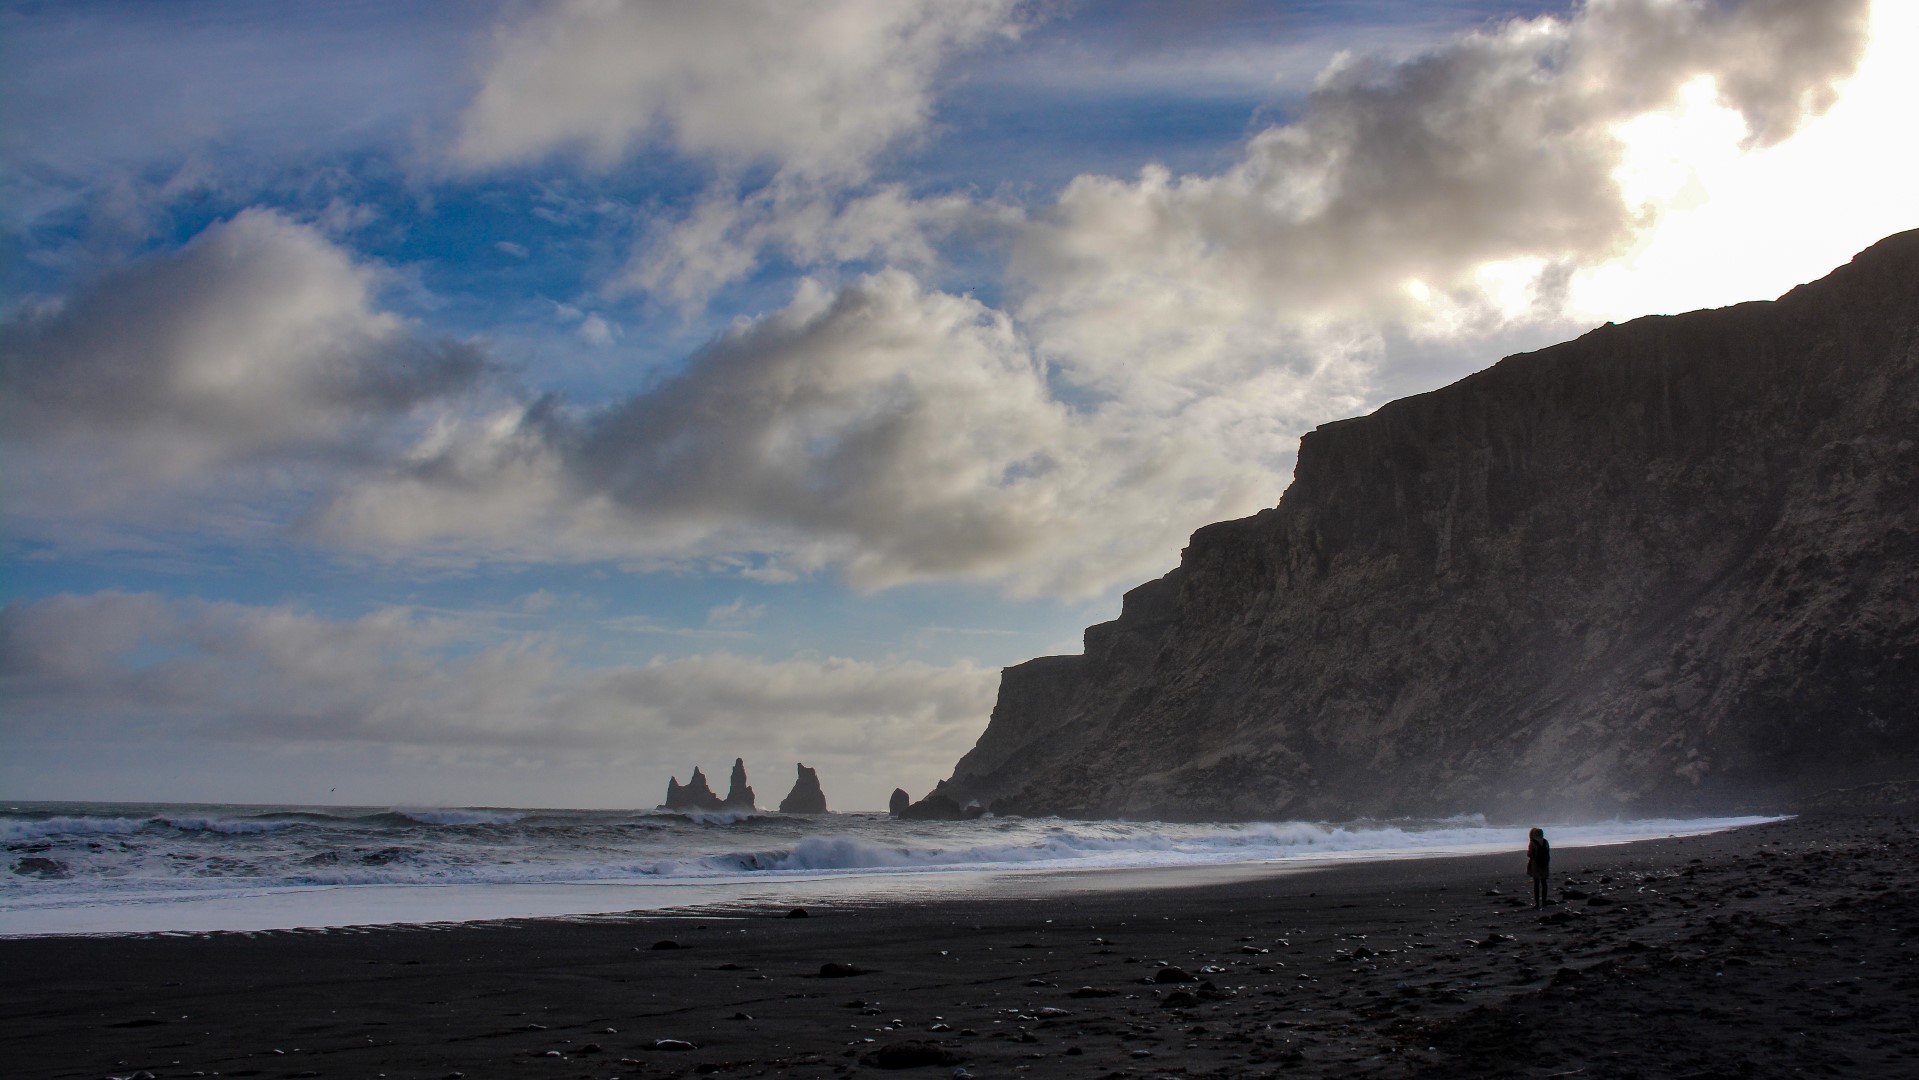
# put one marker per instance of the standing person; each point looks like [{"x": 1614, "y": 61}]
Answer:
[{"x": 1539, "y": 857}]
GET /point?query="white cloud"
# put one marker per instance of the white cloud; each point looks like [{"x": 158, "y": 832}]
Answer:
[
  {"x": 895, "y": 432},
  {"x": 816, "y": 89},
  {"x": 595, "y": 330},
  {"x": 256, "y": 344},
  {"x": 1740, "y": 223},
  {"x": 722, "y": 238},
  {"x": 207, "y": 673},
  {"x": 735, "y": 615},
  {"x": 1385, "y": 201}
]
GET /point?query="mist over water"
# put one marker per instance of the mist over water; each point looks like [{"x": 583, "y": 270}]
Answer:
[{"x": 107, "y": 868}]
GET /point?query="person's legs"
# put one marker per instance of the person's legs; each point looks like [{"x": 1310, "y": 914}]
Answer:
[{"x": 1539, "y": 892}]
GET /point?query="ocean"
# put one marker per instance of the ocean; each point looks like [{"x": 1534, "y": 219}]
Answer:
[{"x": 107, "y": 868}]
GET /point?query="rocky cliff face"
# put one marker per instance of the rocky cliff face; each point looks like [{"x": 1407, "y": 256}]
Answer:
[{"x": 1672, "y": 565}]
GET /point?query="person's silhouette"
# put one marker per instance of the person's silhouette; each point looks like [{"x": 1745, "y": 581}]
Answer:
[{"x": 1539, "y": 857}]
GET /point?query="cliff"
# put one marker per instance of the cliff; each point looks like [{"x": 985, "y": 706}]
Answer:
[{"x": 1672, "y": 565}]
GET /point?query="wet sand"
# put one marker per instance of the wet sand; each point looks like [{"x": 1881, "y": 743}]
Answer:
[{"x": 1779, "y": 950}]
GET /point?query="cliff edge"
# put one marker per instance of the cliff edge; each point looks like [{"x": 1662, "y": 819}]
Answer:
[{"x": 1670, "y": 566}]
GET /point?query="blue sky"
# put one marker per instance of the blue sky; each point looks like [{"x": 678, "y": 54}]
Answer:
[{"x": 523, "y": 402}]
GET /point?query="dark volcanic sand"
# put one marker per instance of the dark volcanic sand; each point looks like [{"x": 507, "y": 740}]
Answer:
[{"x": 1780, "y": 950}]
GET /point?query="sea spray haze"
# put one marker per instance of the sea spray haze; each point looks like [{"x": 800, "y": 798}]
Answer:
[{"x": 127, "y": 867}]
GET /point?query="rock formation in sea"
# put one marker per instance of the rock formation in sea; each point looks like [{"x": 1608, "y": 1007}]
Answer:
[
  {"x": 738, "y": 795},
  {"x": 695, "y": 795},
  {"x": 806, "y": 796},
  {"x": 897, "y": 805},
  {"x": 940, "y": 806},
  {"x": 1672, "y": 565}
]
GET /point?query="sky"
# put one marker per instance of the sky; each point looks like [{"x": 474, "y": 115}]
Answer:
[{"x": 520, "y": 403}]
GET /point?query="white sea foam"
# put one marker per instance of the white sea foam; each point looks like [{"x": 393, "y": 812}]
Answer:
[
  {"x": 462, "y": 816},
  {"x": 218, "y": 825},
  {"x": 17, "y": 831},
  {"x": 170, "y": 867}
]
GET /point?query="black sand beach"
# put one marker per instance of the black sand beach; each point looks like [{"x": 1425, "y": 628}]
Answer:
[{"x": 1781, "y": 950}]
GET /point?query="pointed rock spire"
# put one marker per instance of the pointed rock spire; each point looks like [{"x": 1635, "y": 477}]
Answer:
[
  {"x": 806, "y": 796},
  {"x": 738, "y": 795}
]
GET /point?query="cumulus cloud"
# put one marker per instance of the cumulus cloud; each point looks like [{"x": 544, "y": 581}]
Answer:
[
  {"x": 816, "y": 89},
  {"x": 1466, "y": 181},
  {"x": 223, "y": 672},
  {"x": 722, "y": 238},
  {"x": 898, "y": 432},
  {"x": 1167, "y": 339},
  {"x": 257, "y": 342}
]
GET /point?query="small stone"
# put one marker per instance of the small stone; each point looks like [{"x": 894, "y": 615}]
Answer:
[
  {"x": 832, "y": 970},
  {"x": 1092, "y": 992},
  {"x": 672, "y": 1045},
  {"x": 1173, "y": 975},
  {"x": 797, "y": 913},
  {"x": 661, "y": 946}
]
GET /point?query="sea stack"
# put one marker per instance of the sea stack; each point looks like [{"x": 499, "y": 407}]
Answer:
[
  {"x": 806, "y": 796},
  {"x": 695, "y": 795},
  {"x": 897, "y": 805},
  {"x": 738, "y": 795}
]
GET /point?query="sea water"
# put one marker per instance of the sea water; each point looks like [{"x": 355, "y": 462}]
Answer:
[{"x": 91, "y": 868}]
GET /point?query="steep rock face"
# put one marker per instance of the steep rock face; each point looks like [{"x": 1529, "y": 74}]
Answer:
[
  {"x": 1670, "y": 565},
  {"x": 806, "y": 796},
  {"x": 738, "y": 795},
  {"x": 899, "y": 802},
  {"x": 697, "y": 794}
]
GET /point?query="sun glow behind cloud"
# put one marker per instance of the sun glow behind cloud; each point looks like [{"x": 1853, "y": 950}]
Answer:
[{"x": 1739, "y": 223}]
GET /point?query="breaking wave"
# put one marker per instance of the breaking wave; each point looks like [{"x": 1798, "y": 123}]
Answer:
[{"x": 103, "y": 858}]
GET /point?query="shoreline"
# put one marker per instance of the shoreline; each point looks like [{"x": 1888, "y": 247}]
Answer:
[
  {"x": 237, "y": 905},
  {"x": 1757, "y": 952}
]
